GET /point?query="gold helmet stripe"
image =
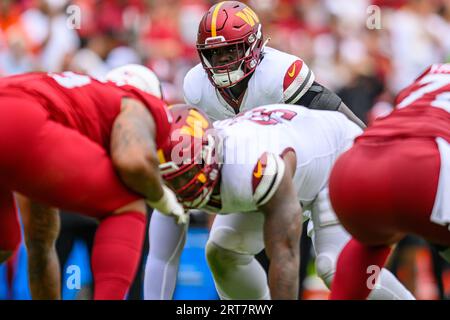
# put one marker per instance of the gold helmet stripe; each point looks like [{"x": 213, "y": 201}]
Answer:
[
  {"x": 161, "y": 157},
  {"x": 214, "y": 19}
]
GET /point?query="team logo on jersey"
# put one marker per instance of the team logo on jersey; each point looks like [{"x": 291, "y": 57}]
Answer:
[
  {"x": 292, "y": 73},
  {"x": 266, "y": 178},
  {"x": 259, "y": 171},
  {"x": 297, "y": 80},
  {"x": 249, "y": 16}
]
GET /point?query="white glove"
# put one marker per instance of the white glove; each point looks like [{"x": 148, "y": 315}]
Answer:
[{"x": 169, "y": 205}]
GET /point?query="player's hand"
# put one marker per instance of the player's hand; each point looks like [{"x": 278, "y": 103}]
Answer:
[{"x": 169, "y": 205}]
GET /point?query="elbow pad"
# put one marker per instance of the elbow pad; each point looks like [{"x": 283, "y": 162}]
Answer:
[{"x": 320, "y": 98}]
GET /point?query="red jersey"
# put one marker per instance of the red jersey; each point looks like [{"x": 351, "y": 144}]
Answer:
[
  {"x": 84, "y": 103},
  {"x": 422, "y": 109}
]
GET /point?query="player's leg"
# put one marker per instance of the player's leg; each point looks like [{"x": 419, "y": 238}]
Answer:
[
  {"x": 166, "y": 240},
  {"x": 379, "y": 206},
  {"x": 363, "y": 263},
  {"x": 359, "y": 267},
  {"x": 423, "y": 198},
  {"x": 234, "y": 241},
  {"x": 41, "y": 229},
  {"x": 117, "y": 251},
  {"x": 329, "y": 238},
  {"x": 406, "y": 184},
  {"x": 9, "y": 225}
]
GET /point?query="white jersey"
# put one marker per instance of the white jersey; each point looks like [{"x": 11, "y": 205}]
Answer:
[
  {"x": 254, "y": 142},
  {"x": 279, "y": 78}
]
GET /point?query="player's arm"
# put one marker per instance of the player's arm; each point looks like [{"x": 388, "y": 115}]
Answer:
[
  {"x": 320, "y": 98},
  {"x": 41, "y": 229},
  {"x": 282, "y": 230},
  {"x": 133, "y": 152}
]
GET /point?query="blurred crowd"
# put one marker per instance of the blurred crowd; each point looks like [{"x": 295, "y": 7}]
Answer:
[{"x": 363, "y": 52}]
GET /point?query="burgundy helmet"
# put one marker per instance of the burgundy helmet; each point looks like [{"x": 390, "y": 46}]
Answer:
[
  {"x": 231, "y": 26},
  {"x": 188, "y": 164}
]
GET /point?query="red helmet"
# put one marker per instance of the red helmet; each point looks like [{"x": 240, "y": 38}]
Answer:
[
  {"x": 189, "y": 163},
  {"x": 233, "y": 26}
]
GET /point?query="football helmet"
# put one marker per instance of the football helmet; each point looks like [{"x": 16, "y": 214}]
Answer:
[
  {"x": 229, "y": 43},
  {"x": 188, "y": 164},
  {"x": 137, "y": 76}
]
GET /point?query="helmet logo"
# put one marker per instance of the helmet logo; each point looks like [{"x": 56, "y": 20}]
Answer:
[
  {"x": 248, "y": 16},
  {"x": 195, "y": 124},
  {"x": 292, "y": 72},
  {"x": 251, "y": 38}
]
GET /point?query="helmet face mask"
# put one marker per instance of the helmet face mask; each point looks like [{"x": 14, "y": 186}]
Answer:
[
  {"x": 191, "y": 187},
  {"x": 234, "y": 26},
  {"x": 231, "y": 71}
]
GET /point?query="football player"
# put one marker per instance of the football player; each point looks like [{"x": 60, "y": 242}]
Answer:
[
  {"x": 395, "y": 181},
  {"x": 64, "y": 141},
  {"x": 268, "y": 164},
  {"x": 237, "y": 73}
]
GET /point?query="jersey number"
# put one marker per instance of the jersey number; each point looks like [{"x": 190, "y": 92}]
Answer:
[
  {"x": 70, "y": 80},
  {"x": 430, "y": 83},
  {"x": 268, "y": 117}
]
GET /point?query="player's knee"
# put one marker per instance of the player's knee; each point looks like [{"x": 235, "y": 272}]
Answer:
[
  {"x": 41, "y": 235},
  {"x": 40, "y": 242},
  {"x": 220, "y": 260},
  {"x": 325, "y": 268},
  {"x": 245, "y": 243},
  {"x": 214, "y": 255},
  {"x": 40, "y": 248}
]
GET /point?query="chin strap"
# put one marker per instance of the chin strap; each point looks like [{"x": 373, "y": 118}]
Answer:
[{"x": 264, "y": 44}]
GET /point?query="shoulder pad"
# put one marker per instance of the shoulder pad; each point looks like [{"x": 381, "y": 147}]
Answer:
[
  {"x": 270, "y": 73},
  {"x": 192, "y": 84},
  {"x": 297, "y": 81},
  {"x": 267, "y": 176}
]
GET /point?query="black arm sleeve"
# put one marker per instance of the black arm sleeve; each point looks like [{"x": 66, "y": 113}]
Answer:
[{"x": 320, "y": 98}]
